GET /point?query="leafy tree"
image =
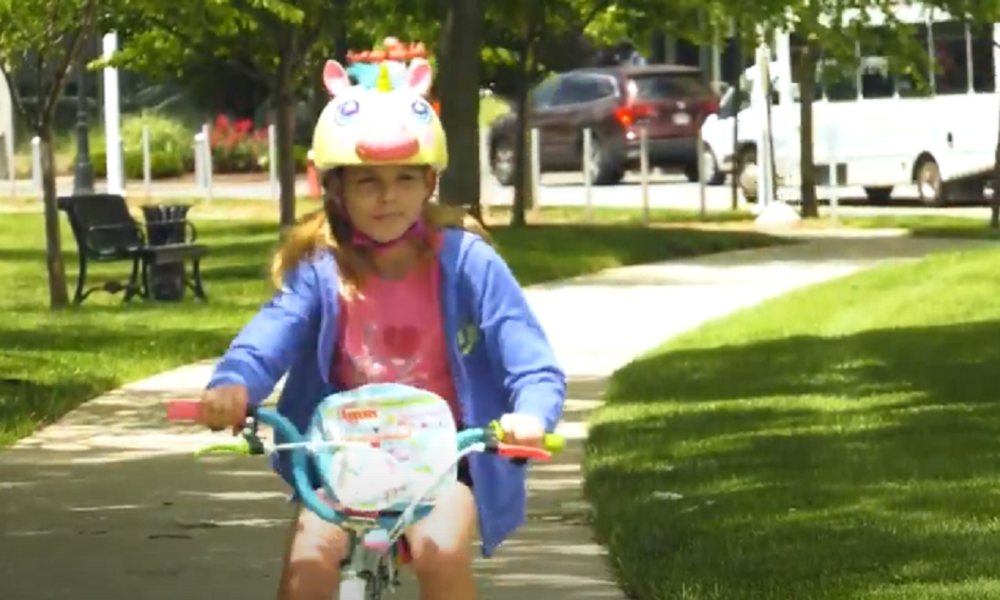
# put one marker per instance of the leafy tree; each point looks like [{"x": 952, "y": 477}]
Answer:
[
  {"x": 40, "y": 40},
  {"x": 514, "y": 36},
  {"x": 282, "y": 43},
  {"x": 269, "y": 40}
]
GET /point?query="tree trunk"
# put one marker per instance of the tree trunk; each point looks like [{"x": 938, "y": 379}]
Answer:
[
  {"x": 524, "y": 190},
  {"x": 807, "y": 169},
  {"x": 458, "y": 93},
  {"x": 284, "y": 133},
  {"x": 995, "y": 200},
  {"x": 340, "y": 43},
  {"x": 58, "y": 295}
]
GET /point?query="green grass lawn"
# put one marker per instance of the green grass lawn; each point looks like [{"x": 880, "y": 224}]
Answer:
[
  {"x": 927, "y": 225},
  {"x": 50, "y": 362},
  {"x": 839, "y": 442},
  {"x": 628, "y": 216},
  {"x": 931, "y": 226}
]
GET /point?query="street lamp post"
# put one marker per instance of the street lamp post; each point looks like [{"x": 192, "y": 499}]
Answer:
[{"x": 83, "y": 171}]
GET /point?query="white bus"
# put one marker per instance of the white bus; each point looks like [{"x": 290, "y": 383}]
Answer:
[{"x": 882, "y": 131}]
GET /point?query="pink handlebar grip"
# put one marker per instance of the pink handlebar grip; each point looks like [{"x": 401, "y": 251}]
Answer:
[
  {"x": 525, "y": 452},
  {"x": 183, "y": 410}
]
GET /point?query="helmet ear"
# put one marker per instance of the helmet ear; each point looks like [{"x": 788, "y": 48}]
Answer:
[
  {"x": 420, "y": 76},
  {"x": 335, "y": 78}
]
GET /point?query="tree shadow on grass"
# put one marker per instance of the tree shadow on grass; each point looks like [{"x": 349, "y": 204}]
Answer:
[
  {"x": 90, "y": 338},
  {"x": 44, "y": 375},
  {"x": 25, "y": 255},
  {"x": 864, "y": 466},
  {"x": 25, "y": 403}
]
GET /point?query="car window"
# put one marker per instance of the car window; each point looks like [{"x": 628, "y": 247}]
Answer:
[
  {"x": 727, "y": 105},
  {"x": 542, "y": 95},
  {"x": 606, "y": 87},
  {"x": 582, "y": 88},
  {"x": 668, "y": 86}
]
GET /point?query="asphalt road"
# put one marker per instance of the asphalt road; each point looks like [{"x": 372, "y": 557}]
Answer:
[
  {"x": 674, "y": 191},
  {"x": 567, "y": 189}
]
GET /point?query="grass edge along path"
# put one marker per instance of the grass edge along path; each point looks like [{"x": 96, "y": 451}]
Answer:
[
  {"x": 51, "y": 362},
  {"x": 840, "y": 441}
]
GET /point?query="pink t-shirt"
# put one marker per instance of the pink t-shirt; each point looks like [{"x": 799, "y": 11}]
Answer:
[{"x": 392, "y": 331}]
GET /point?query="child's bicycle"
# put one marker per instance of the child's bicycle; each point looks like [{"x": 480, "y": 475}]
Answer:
[{"x": 386, "y": 452}]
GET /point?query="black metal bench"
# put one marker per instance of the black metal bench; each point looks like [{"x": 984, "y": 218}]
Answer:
[{"x": 105, "y": 231}]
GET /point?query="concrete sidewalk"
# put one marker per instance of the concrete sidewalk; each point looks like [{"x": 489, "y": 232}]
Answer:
[{"x": 108, "y": 502}]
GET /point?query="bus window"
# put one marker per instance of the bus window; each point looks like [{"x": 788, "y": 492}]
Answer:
[
  {"x": 876, "y": 76},
  {"x": 983, "y": 73},
  {"x": 951, "y": 59},
  {"x": 912, "y": 80},
  {"x": 840, "y": 81},
  {"x": 876, "y": 81}
]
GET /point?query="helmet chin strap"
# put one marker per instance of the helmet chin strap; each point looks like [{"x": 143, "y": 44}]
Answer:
[{"x": 416, "y": 231}]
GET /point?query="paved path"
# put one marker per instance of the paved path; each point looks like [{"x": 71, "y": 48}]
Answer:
[{"x": 108, "y": 504}]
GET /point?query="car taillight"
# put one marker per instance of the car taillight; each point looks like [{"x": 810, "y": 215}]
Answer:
[
  {"x": 712, "y": 107},
  {"x": 628, "y": 115}
]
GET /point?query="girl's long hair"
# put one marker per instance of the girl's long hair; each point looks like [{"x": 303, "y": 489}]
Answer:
[{"x": 324, "y": 230}]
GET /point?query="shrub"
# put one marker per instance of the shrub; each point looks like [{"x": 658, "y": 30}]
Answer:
[
  {"x": 171, "y": 148},
  {"x": 237, "y": 147},
  {"x": 301, "y": 159}
]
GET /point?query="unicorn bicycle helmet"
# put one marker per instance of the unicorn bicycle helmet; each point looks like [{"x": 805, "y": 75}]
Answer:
[{"x": 382, "y": 125}]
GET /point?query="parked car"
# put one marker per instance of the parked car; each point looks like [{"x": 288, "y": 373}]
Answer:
[{"x": 615, "y": 103}]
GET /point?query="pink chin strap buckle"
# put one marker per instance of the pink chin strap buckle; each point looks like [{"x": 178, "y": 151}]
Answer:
[{"x": 416, "y": 231}]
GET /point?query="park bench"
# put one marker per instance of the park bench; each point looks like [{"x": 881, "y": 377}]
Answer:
[{"x": 105, "y": 232}]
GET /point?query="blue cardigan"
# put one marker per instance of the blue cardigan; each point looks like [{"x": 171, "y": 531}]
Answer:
[{"x": 500, "y": 359}]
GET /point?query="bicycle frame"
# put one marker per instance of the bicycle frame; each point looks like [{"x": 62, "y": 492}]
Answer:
[{"x": 366, "y": 572}]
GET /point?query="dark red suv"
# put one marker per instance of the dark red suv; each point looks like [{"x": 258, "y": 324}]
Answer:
[{"x": 614, "y": 103}]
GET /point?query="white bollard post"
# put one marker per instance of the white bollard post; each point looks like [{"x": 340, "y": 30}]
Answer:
[
  {"x": 36, "y": 164},
  {"x": 701, "y": 176},
  {"x": 834, "y": 184},
  {"x": 644, "y": 172},
  {"x": 588, "y": 170},
  {"x": 112, "y": 119},
  {"x": 206, "y": 143},
  {"x": 272, "y": 161},
  {"x": 147, "y": 163},
  {"x": 199, "y": 163},
  {"x": 761, "y": 97},
  {"x": 536, "y": 168}
]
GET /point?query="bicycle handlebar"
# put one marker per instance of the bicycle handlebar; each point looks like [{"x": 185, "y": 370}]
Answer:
[{"x": 491, "y": 437}]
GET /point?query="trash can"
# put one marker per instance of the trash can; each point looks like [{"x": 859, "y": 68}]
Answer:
[{"x": 165, "y": 225}]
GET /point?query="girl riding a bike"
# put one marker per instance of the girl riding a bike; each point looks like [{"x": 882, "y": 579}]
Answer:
[{"x": 385, "y": 285}]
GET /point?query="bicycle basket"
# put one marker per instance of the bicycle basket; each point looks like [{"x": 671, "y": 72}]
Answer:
[{"x": 392, "y": 443}]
